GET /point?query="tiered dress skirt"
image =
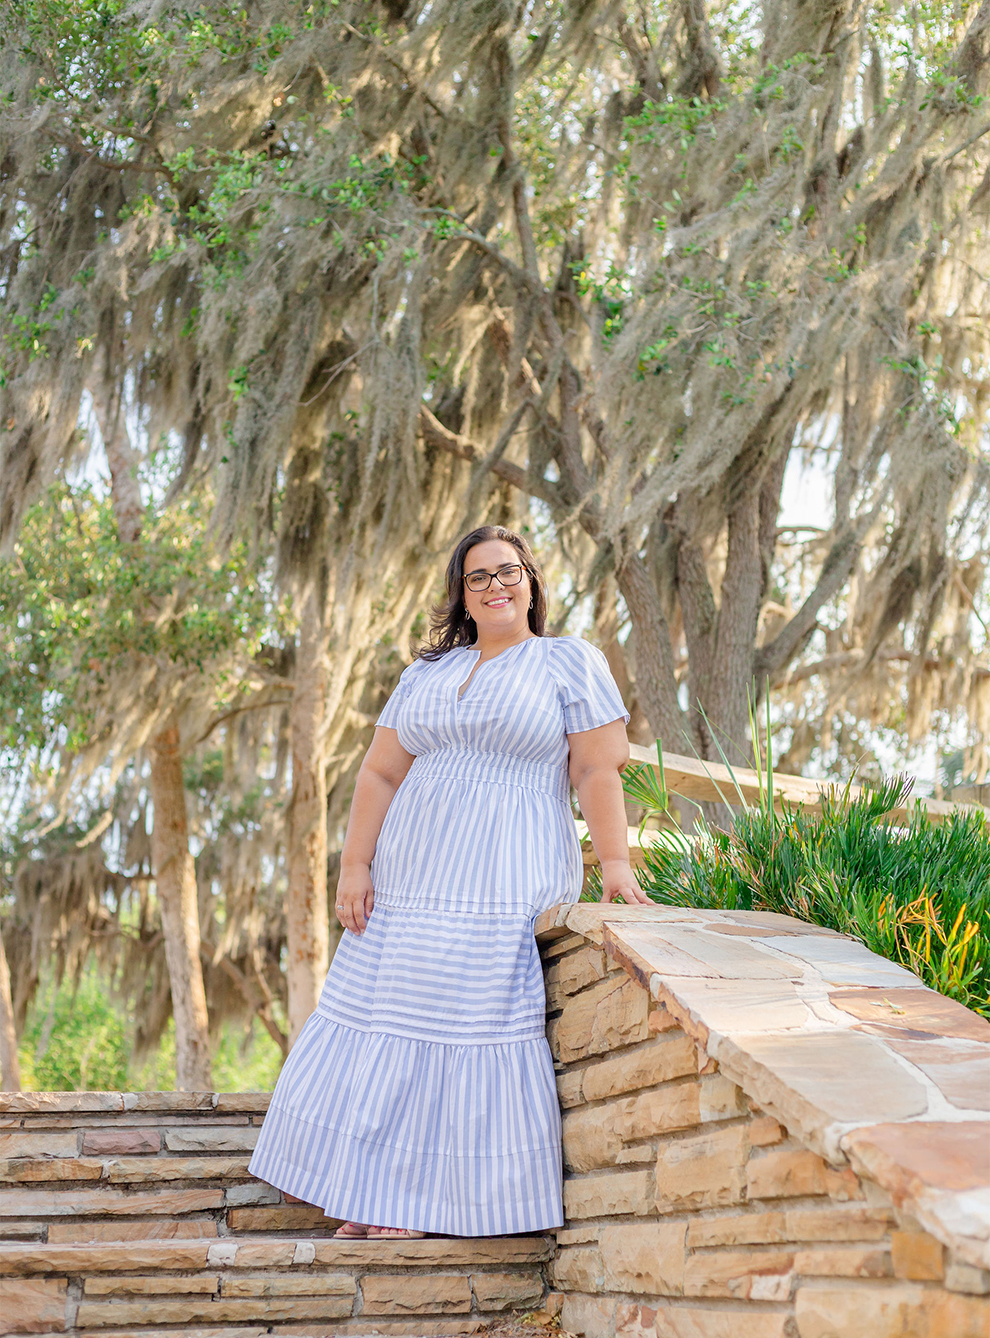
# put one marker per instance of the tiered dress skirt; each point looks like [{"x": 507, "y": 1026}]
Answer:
[{"x": 421, "y": 1094}]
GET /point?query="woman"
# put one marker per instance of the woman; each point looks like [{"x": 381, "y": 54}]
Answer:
[{"x": 420, "y": 1095}]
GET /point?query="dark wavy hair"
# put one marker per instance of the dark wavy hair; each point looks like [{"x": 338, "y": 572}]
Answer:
[{"x": 450, "y": 625}]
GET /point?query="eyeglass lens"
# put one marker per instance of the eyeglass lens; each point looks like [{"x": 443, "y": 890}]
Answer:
[{"x": 481, "y": 580}]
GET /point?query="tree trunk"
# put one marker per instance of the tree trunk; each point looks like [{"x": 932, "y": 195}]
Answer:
[
  {"x": 175, "y": 873},
  {"x": 308, "y": 925},
  {"x": 10, "y": 1068},
  {"x": 175, "y": 880},
  {"x": 731, "y": 681},
  {"x": 700, "y": 617},
  {"x": 653, "y": 657}
]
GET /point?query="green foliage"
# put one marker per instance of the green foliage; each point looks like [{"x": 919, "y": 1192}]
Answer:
[
  {"x": 76, "y": 1040},
  {"x": 609, "y": 293},
  {"x": 678, "y": 119},
  {"x": 242, "y": 1061},
  {"x": 113, "y": 79},
  {"x": 245, "y": 1061},
  {"x": 918, "y": 895},
  {"x": 25, "y": 333},
  {"x": 91, "y": 49},
  {"x": 76, "y": 602}
]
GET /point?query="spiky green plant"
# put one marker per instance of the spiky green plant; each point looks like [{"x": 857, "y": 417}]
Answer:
[{"x": 917, "y": 894}]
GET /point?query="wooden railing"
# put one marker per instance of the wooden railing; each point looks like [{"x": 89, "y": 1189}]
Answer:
[{"x": 712, "y": 782}]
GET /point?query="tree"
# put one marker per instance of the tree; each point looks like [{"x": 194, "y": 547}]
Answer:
[
  {"x": 175, "y": 873},
  {"x": 214, "y": 339},
  {"x": 649, "y": 251},
  {"x": 385, "y": 269},
  {"x": 10, "y": 1069},
  {"x": 774, "y": 252},
  {"x": 108, "y": 605}
]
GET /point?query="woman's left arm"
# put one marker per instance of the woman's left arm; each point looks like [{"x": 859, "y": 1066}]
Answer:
[{"x": 597, "y": 757}]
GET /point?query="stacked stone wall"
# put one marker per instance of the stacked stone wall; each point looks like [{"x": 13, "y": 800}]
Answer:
[
  {"x": 692, "y": 1212},
  {"x": 767, "y": 1133},
  {"x": 126, "y": 1214}
]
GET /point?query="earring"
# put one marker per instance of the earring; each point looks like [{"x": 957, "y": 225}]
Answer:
[{"x": 531, "y": 601}]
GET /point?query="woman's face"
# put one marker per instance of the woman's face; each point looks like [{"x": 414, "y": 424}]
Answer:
[{"x": 502, "y": 609}]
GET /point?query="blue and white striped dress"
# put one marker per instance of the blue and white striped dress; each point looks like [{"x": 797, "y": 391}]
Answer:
[{"x": 421, "y": 1093}]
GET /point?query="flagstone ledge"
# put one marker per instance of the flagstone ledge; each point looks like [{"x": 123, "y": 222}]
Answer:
[
  {"x": 101, "y": 1103},
  {"x": 300, "y": 1255},
  {"x": 850, "y": 1052}
]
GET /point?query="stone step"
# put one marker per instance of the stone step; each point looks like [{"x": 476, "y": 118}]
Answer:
[
  {"x": 50, "y": 1203},
  {"x": 260, "y": 1252},
  {"x": 139, "y": 1228},
  {"x": 359, "y": 1328},
  {"x": 121, "y": 1170},
  {"x": 125, "y": 1214},
  {"x": 134, "y": 1214},
  {"x": 146, "y": 1140},
  {"x": 343, "y": 1286},
  {"x": 367, "y": 1328},
  {"x": 36, "y": 1106}
]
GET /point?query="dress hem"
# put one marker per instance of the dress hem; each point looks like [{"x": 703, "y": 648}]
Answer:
[{"x": 524, "y": 1209}]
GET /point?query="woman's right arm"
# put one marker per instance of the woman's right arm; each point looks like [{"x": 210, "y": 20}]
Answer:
[{"x": 382, "y": 772}]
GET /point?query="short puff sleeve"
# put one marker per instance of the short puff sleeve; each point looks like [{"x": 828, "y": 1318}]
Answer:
[
  {"x": 392, "y": 710},
  {"x": 588, "y": 692}
]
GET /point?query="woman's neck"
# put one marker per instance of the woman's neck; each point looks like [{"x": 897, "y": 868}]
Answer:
[{"x": 493, "y": 643}]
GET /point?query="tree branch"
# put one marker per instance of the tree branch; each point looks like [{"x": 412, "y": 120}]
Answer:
[
  {"x": 123, "y": 460},
  {"x": 643, "y": 60},
  {"x": 511, "y": 268},
  {"x": 851, "y": 659},
  {"x": 707, "y": 71},
  {"x": 436, "y": 434},
  {"x": 255, "y": 705},
  {"x": 842, "y": 557},
  {"x": 255, "y": 998}
]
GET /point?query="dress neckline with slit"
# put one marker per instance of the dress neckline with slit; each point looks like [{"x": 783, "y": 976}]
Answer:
[{"x": 479, "y": 663}]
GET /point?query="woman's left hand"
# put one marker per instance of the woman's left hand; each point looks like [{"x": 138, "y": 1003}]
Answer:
[{"x": 619, "y": 882}]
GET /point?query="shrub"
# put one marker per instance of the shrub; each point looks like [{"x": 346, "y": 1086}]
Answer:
[
  {"x": 76, "y": 1040},
  {"x": 917, "y": 894}
]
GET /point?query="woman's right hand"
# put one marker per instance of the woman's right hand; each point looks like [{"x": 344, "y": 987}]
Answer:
[{"x": 355, "y": 897}]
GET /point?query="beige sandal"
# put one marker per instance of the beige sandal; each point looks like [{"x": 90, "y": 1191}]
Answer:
[{"x": 351, "y": 1231}]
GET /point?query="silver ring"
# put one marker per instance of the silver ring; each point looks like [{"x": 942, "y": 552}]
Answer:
[{"x": 339, "y": 906}]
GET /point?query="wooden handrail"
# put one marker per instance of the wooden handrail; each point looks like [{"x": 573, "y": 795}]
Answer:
[{"x": 712, "y": 782}]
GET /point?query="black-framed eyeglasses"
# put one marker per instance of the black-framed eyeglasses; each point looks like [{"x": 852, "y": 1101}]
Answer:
[{"x": 481, "y": 580}]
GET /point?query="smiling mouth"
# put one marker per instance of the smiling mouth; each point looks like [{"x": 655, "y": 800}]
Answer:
[{"x": 497, "y": 603}]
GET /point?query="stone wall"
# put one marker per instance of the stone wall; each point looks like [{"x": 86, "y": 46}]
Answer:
[
  {"x": 133, "y": 1213},
  {"x": 768, "y": 1133}
]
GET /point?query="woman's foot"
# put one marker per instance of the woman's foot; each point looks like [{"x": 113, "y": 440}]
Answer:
[{"x": 358, "y": 1231}]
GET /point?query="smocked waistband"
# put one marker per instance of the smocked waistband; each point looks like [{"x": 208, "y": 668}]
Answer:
[{"x": 492, "y": 769}]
